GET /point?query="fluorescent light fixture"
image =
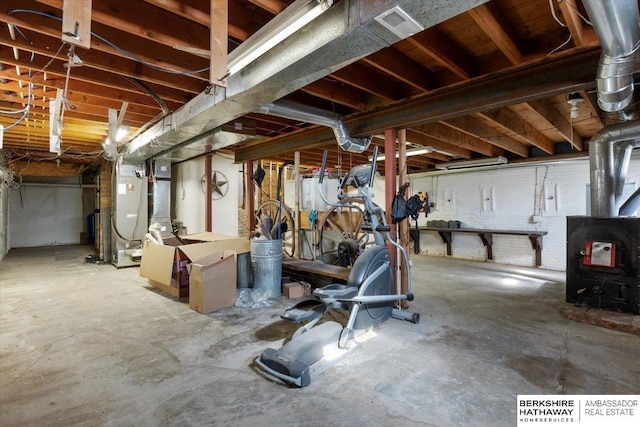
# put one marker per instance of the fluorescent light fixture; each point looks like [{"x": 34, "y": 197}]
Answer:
[
  {"x": 490, "y": 161},
  {"x": 290, "y": 20},
  {"x": 411, "y": 152},
  {"x": 120, "y": 134}
]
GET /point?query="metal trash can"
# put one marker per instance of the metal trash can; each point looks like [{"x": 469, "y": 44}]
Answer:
[{"x": 266, "y": 265}]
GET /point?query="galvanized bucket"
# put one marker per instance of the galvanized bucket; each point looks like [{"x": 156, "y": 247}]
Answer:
[{"x": 266, "y": 265}]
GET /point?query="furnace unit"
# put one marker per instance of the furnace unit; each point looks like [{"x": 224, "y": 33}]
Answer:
[
  {"x": 129, "y": 218},
  {"x": 603, "y": 262}
]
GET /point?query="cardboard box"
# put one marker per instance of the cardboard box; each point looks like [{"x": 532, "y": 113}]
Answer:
[
  {"x": 293, "y": 290},
  {"x": 212, "y": 283},
  {"x": 166, "y": 265}
]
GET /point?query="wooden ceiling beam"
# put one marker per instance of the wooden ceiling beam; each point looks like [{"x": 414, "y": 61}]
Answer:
[
  {"x": 581, "y": 34},
  {"x": 451, "y": 150},
  {"x": 239, "y": 26},
  {"x": 548, "y": 112},
  {"x": 145, "y": 50},
  {"x": 84, "y": 112},
  {"x": 40, "y": 45},
  {"x": 487, "y": 21},
  {"x": 9, "y": 93},
  {"x": 422, "y": 161},
  {"x": 401, "y": 67},
  {"x": 519, "y": 129},
  {"x": 472, "y": 126},
  {"x": 451, "y": 56},
  {"x": 270, "y": 129},
  {"x": 275, "y": 120},
  {"x": 591, "y": 103},
  {"x": 456, "y": 137},
  {"x": 29, "y": 140},
  {"x": 272, "y": 6},
  {"x": 80, "y": 88},
  {"x": 145, "y": 23},
  {"x": 340, "y": 93},
  {"x": 93, "y": 76},
  {"x": 368, "y": 80}
]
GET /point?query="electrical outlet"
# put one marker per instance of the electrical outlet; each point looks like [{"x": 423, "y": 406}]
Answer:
[{"x": 536, "y": 219}]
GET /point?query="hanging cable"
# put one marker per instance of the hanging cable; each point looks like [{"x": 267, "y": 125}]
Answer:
[
  {"x": 111, "y": 44},
  {"x": 553, "y": 12},
  {"x": 573, "y": 6},
  {"x": 560, "y": 47},
  {"x": 25, "y": 112}
]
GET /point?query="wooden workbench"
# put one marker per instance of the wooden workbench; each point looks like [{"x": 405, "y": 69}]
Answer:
[{"x": 486, "y": 236}]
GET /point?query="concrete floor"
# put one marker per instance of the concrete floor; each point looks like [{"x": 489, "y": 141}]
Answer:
[{"x": 86, "y": 344}]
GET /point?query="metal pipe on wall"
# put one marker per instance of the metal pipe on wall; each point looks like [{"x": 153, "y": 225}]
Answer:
[
  {"x": 606, "y": 180},
  {"x": 617, "y": 24}
]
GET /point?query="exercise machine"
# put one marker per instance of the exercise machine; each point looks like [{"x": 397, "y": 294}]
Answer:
[{"x": 369, "y": 295}]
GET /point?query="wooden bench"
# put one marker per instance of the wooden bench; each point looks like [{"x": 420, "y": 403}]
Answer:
[
  {"x": 304, "y": 267},
  {"x": 486, "y": 236}
]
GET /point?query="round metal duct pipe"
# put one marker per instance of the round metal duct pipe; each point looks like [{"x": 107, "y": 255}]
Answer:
[{"x": 617, "y": 24}]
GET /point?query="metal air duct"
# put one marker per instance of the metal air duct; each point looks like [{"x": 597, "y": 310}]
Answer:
[
  {"x": 609, "y": 154},
  {"x": 340, "y": 36},
  {"x": 294, "y": 111},
  {"x": 617, "y": 25},
  {"x": 631, "y": 205}
]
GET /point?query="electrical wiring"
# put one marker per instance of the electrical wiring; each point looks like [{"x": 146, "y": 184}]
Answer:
[
  {"x": 560, "y": 47},
  {"x": 43, "y": 69},
  {"x": 13, "y": 111},
  {"x": 114, "y": 46},
  {"x": 553, "y": 12},
  {"x": 25, "y": 112},
  {"x": 586, "y": 21}
]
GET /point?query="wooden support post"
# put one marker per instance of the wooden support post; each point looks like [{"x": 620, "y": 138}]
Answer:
[
  {"x": 403, "y": 226},
  {"x": 218, "y": 42},
  {"x": 250, "y": 202},
  {"x": 390, "y": 138},
  {"x": 208, "y": 189},
  {"x": 296, "y": 208},
  {"x": 76, "y": 22}
]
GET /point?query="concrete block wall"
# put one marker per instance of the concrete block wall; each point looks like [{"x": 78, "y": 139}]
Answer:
[{"x": 507, "y": 198}]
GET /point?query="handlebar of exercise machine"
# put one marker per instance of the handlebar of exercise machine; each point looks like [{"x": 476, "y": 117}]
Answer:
[{"x": 366, "y": 195}]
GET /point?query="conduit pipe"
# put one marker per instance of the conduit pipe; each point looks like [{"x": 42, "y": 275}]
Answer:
[
  {"x": 609, "y": 155},
  {"x": 304, "y": 113},
  {"x": 617, "y": 25}
]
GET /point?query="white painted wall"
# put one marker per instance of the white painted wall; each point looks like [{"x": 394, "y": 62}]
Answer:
[
  {"x": 190, "y": 199},
  {"x": 45, "y": 214},
  {"x": 4, "y": 221},
  {"x": 506, "y": 198}
]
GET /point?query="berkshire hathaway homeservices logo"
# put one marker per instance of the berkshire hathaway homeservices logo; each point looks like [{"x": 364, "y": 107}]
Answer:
[{"x": 578, "y": 410}]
